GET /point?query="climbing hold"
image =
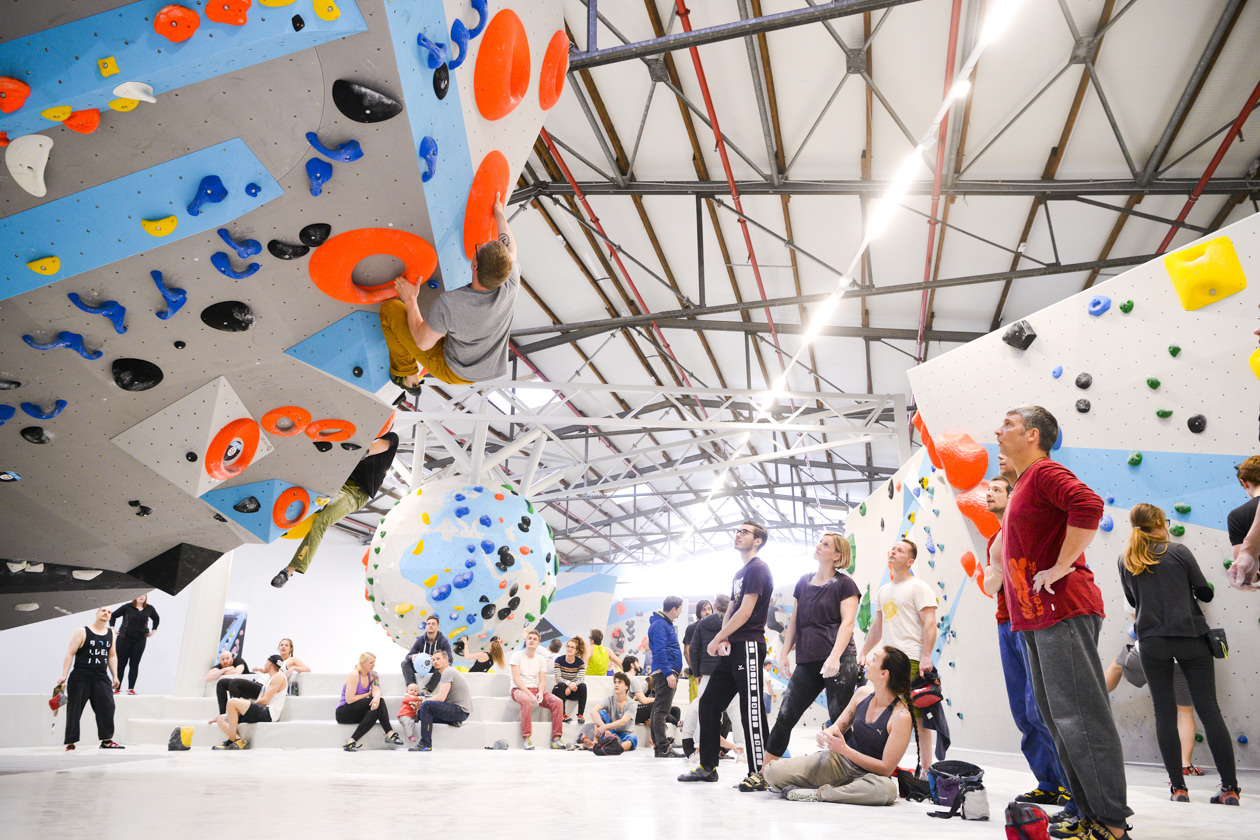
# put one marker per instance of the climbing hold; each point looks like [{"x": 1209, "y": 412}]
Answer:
[
  {"x": 435, "y": 54},
  {"x": 6, "y": 413},
  {"x": 1177, "y": 530},
  {"x": 1242, "y": 739},
  {"x": 926, "y": 437},
  {"x": 48, "y": 266},
  {"x": 135, "y": 374},
  {"x": 331, "y": 429},
  {"x": 319, "y": 171},
  {"x": 190, "y": 457},
  {"x": 176, "y": 23},
  {"x": 286, "y": 421},
  {"x": 862, "y": 509},
  {"x": 228, "y": 316},
  {"x": 1173, "y": 350},
  {"x": 111, "y": 309},
  {"x": 84, "y": 122},
  {"x": 122, "y": 106},
  {"x": 4, "y": 139},
  {"x": 347, "y": 151},
  {"x": 107, "y": 66},
  {"x": 285, "y": 251},
  {"x": 358, "y": 372},
  {"x": 139, "y": 91},
  {"x": 501, "y": 76},
  {"x": 965, "y": 461},
  {"x": 209, "y": 191},
  {"x": 1126, "y": 307},
  {"x": 1082, "y": 406},
  {"x": 1163, "y": 413},
  {"x": 13, "y": 93},
  {"x": 249, "y": 504},
  {"x": 326, "y": 10},
  {"x": 223, "y": 263},
  {"x": 315, "y": 234},
  {"x": 1098, "y": 304},
  {"x": 428, "y": 154},
  {"x": 232, "y": 449},
  {"x": 57, "y": 113},
  {"x": 1205, "y": 273},
  {"x": 973, "y": 505},
  {"x": 1084, "y": 380},
  {"x": 433, "y": 284},
  {"x": 179, "y": 345},
  {"x": 9, "y": 384},
  {"x": 35, "y": 434},
  {"x": 1020, "y": 335},
  {"x": 362, "y": 104},
  {"x": 351, "y": 447},
  {"x": 331, "y": 267},
  {"x": 231, "y": 12},
  {"x": 245, "y": 249},
  {"x": 298, "y": 23},
  {"x": 1057, "y": 372},
  {"x": 252, "y": 189},
  {"x": 1135, "y": 458},
  {"x": 554, "y": 67},
  {"x": 1197, "y": 423},
  {"x": 1107, "y": 523},
  {"x": 1152, "y": 383},
  {"x": 175, "y": 299},
  {"x": 160, "y": 227},
  {"x": 492, "y": 178},
  {"x": 1182, "y": 508},
  {"x": 10, "y": 475},
  {"x": 39, "y": 413},
  {"x": 69, "y": 340},
  {"x": 26, "y": 157},
  {"x": 459, "y": 44}
]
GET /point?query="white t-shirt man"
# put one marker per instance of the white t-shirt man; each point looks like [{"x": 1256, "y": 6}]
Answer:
[
  {"x": 533, "y": 668},
  {"x": 900, "y": 604}
]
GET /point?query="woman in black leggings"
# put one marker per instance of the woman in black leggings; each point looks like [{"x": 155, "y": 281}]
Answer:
[
  {"x": 1162, "y": 581},
  {"x": 361, "y": 704},
  {"x": 132, "y": 637}
]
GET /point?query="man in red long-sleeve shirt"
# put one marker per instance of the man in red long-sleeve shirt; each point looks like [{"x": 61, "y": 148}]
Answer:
[{"x": 1056, "y": 607}]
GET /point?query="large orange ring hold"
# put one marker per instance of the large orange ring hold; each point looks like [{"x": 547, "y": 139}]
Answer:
[
  {"x": 502, "y": 74},
  {"x": 332, "y": 265},
  {"x": 341, "y": 430},
  {"x": 555, "y": 66},
  {"x": 279, "y": 511},
  {"x": 492, "y": 179},
  {"x": 298, "y": 417},
  {"x": 248, "y": 432}
]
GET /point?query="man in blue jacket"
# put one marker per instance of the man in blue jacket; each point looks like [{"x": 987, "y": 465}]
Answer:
[{"x": 667, "y": 663}]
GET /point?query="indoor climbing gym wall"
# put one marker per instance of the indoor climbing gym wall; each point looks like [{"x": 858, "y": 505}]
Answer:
[
  {"x": 201, "y": 207},
  {"x": 1153, "y": 378}
]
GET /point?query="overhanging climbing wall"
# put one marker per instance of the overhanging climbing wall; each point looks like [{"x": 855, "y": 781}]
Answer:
[{"x": 1153, "y": 362}]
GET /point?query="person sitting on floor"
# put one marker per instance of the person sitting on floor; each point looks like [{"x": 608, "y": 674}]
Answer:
[
  {"x": 860, "y": 750},
  {"x": 266, "y": 709},
  {"x": 616, "y": 714},
  {"x": 228, "y": 665},
  {"x": 570, "y": 674},
  {"x": 451, "y": 701}
]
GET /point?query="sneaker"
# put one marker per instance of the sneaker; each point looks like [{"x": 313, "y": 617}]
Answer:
[
  {"x": 109, "y": 744},
  {"x": 752, "y": 783},
  {"x": 557, "y": 743},
  {"x": 131, "y": 691},
  {"x": 1041, "y": 796},
  {"x": 393, "y": 738},
  {"x": 529, "y": 743},
  {"x": 699, "y": 775},
  {"x": 1070, "y": 826},
  {"x": 238, "y": 744},
  {"x": 669, "y": 754},
  {"x": 225, "y": 745},
  {"x": 1191, "y": 770},
  {"x": 1227, "y": 796},
  {"x": 352, "y": 746},
  {"x": 799, "y": 794},
  {"x": 568, "y": 719},
  {"x": 420, "y": 748},
  {"x": 786, "y": 790},
  {"x": 281, "y": 578},
  {"x": 581, "y": 720},
  {"x": 1179, "y": 794},
  {"x": 69, "y": 747}
]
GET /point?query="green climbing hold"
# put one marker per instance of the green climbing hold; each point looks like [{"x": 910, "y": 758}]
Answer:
[
  {"x": 1173, "y": 350},
  {"x": 530, "y": 617},
  {"x": 1181, "y": 507},
  {"x": 371, "y": 597},
  {"x": 381, "y": 534},
  {"x": 1126, "y": 307},
  {"x": 382, "y": 520},
  {"x": 864, "y": 611},
  {"x": 1163, "y": 413},
  {"x": 1198, "y": 738},
  {"x": 1212, "y": 586},
  {"x": 852, "y": 554},
  {"x": 862, "y": 509},
  {"x": 376, "y": 550},
  {"x": 370, "y": 581},
  {"x": 1135, "y": 459},
  {"x": 1177, "y": 530},
  {"x": 376, "y": 617},
  {"x": 1228, "y": 562},
  {"x": 1152, "y": 382},
  {"x": 376, "y": 565}
]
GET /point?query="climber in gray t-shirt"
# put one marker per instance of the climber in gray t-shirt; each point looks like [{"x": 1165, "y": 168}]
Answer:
[{"x": 465, "y": 337}]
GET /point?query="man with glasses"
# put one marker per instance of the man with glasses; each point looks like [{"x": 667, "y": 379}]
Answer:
[{"x": 741, "y": 647}]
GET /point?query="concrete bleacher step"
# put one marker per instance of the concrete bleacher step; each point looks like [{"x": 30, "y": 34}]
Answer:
[{"x": 328, "y": 734}]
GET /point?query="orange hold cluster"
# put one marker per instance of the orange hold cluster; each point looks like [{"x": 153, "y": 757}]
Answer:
[
  {"x": 973, "y": 506},
  {"x": 965, "y": 462}
]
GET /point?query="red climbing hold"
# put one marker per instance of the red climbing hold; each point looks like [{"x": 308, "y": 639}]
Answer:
[
  {"x": 502, "y": 73},
  {"x": 365, "y": 557},
  {"x": 176, "y": 23},
  {"x": 295, "y": 418},
  {"x": 968, "y": 561},
  {"x": 555, "y": 66},
  {"x": 928, "y": 443},
  {"x": 217, "y": 465},
  {"x": 964, "y": 460},
  {"x": 330, "y": 429},
  {"x": 4, "y": 139},
  {"x": 492, "y": 179},
  {"x": 231, "y": 12},
  {"x": 84, "y": 122},
  {"x": 389, "y": 424},
  {"x": 13, "y": 93},
  {"x": 332, "y": 266},
  {"x": 280, "y": 510},
  {"x": 974, "y": 507}
]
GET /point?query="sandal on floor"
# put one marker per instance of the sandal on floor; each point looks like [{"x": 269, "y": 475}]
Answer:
[{"x": 1191, "y": 770}]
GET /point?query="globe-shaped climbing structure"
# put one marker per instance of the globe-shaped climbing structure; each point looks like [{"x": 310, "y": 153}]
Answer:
[{"x": 478, "y": 557}]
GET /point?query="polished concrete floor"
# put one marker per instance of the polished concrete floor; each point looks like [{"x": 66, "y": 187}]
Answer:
[{"x": 477, "y": 794}]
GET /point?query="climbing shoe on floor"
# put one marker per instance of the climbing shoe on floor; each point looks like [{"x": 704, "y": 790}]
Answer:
[
  {"x": 753, "y": 782},
  {"x": 1069, "y": 826},
  {"x": 699, "y": 775},
  {"x": 1227, "y": 796},
  {"x": 1179, "y": 794},
  {"x": 1041, "y": 796}
]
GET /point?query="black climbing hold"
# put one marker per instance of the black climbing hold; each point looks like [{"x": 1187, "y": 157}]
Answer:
[
  {"x": 9, "y": 384},
  {"x": 524, "y": 524},
  {"x": 179, "y": 345},
  {"x": 144, "y": 510},
  {"x": 362, "y": 104},
  {"x": 1082, "y": 406},
  {"x": 350, "y": 447},
  {"x": 1197, "y": 423},
  {"x": 191, "y": 456},
  {"x": 890, "y": 490},
  {"x": 358, "y": 372},
  {"x": 315, "y": 234},
  {"x": 285, "y": 251},
  {"x": 1084, "y": 380},
  {"x": 228, "y": 316},
  {"x": 35, "y": 434},
  {"x": 1020, "y": 335},
  {"x": 516, "y": 587},
  {"x": 881, "y": 524},
  {"x": 249, "y": 504},
  {"x": 219, "y": 517},
  {"x": 514, "y": 603},
  {"x": 323, "y": 445},
  {"x": 136, "y": 374},
  {"x": 487, "y": 612},
  {"x": 504, "y": 613},
  {"x": 134, "y": 503},
  {"x": 500, "y": 566},
  {"x": 298, "y": 23},
  {"x": 441, "y": 81},
  {"x": 483, "y": 599}
]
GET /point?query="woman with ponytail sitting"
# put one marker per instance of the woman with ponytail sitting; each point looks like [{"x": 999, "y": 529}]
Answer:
[
  {"x": 861, "y": 749},
  {"x": 1162, "y": 581}
]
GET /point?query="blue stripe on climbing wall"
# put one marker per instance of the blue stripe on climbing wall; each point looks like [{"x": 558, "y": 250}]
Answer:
[
  {"x": 352, "y": 344},
  {"x": 446, "y": 192},
  {"x": 60, "y": 64},
  {"x": 101, "y": 225}
]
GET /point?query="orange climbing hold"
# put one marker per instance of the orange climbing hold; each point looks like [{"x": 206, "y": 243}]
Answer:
[
  {"x": 502, "y": 74},
  {"x": 973, "y": 506},
  {"x": 968, "y": 561},
  {"x": 330, "y": 429},
  {"x": 492, "y": 179},
  {"x": 555, "y": 66},
  {"x": 928, "y": 443},
  {"x": 332, "y": 265},
  {"x": 965, "y": 461},
  {"x": 4, "y": 139},
  {"x": 13, "y": 93},
  {"x": 365, "y": 557},
  {"x": 84, "y": 122},
  {"x": 231, "y": 12},
  {"x": 280, "y": 510},
  {"x": 176, "y": 23},
  {"x": 389, "y": 424},
  {"x": 247, "y": 432},
  {"x": 295, "y": 418}
]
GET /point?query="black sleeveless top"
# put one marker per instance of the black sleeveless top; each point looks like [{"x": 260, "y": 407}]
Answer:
[
  {"x": 91, "y": 660},
  {"x": 479, "y": 667},
  {"x": 869, "y": 738}
]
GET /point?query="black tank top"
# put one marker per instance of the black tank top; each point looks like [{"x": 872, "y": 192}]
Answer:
[
  {"x": 91, "y": 660},
  {"x": 479, "y": 667},
  {"x": 869, "y": 738}
]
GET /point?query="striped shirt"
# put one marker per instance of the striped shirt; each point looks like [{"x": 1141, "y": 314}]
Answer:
[{"x": 572, "y": 673}]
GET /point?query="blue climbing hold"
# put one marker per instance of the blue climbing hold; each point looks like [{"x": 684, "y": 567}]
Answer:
[
  {"x": 931, "y": 564},
  {"x": 915, "y": 491},
  {"x": 470, "y": 563},
  {"x": 428, "y": 154},
  {"x": 941, "y": 584},
  {"x": 209, "y": 191},
  {"x": 39, "y": 413},
  {"x": 1058, "y": 441},
  {"x": 175, "y": 298},
  {"x": 459, "y": 497},
  {"x": 10, "y": 475},
  {"x": 69, "y": 340},
  {"x": 485, "y": 521},
  {"x": 252, "y": 189},
  {"x": 432, "y": 284},
  {"x": 111, "y": 309},
  {"x": 1099, "y": 304},
  {"x": 931, "y": 548},
  {"x": 462, "y": 579},
  {"x": 487, "y": 546},
  {"x": 319, "y": 171},
  {"x": 6, "y": 413},
  {"x": 1242, "y": 739},
  {"x": 347, "y": 151},
  {"x": 459, "y": 43},
  {"x": 245, "y": 249},
  {"x": 472, "y": 549},
  {"x": 437, "y": 53},
  {"x": 1111, "y": 500},
  {"x": 221, "y": 261},
  {"x": 440, "y": 593},
  {"x": 1107, "y": 523},
  {"x": 461, "y": 512},
  {"x": 1057, "y": 372}
]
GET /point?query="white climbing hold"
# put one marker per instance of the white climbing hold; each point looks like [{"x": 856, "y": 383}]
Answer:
[
  {"x": 135, "y": 90},
  {"x": 28, "y": 607},
  {"x": 26, "y": 158}
]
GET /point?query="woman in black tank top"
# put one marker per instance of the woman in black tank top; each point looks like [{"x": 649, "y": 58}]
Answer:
[{"x": 483, "y": 659}]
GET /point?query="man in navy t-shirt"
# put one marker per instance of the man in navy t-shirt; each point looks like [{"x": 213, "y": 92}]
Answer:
[{"x": 741, "y": 646}]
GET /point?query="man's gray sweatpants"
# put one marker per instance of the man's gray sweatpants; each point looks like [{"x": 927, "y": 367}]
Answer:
[{"x": 1071, "y": 693}]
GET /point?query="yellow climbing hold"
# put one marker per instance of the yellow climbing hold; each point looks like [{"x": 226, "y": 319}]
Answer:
[
  {"x": 419, "y": 547},
  {"x": 1254, "y": 361},
  {"x": 275, "y": 3},
  {"x": 124, "y": 105},
  {"x": 159, "y": 227},
  {"x": 431, "y": 580},
  {"x": 424, "y": 517},
  {"x": 402, "y": 609},
  {"x": 457, "y": 609},
  {"x": 57, "y": 114},
  {"x": 457, "y": 632},
  {"x": 48, "y": 266},
  {"x": 108, "y": 66},
  {"x": 326, "y": 10},
  {"x": 1205, "y": 273}
]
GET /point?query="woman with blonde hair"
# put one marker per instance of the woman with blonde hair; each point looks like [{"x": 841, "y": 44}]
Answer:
[
  {"x": 361, "y": 704},
  {"x": 292, "y": 665},
  {"x": 1162, "y": 581},
  {"x": 483, "y": 659},
  {"x": 820, "y": 628}
]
